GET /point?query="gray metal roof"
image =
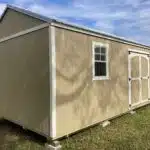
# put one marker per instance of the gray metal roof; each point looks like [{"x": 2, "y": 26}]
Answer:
[{"x": 50, "y": 20}]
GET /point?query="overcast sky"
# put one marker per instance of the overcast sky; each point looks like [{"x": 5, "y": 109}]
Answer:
[{"x": 125, "y": 18}]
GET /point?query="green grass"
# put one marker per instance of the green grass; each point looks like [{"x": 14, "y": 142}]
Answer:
[
  {"x": 24, "y": 145},
  {"x": 129, "y": 132}
]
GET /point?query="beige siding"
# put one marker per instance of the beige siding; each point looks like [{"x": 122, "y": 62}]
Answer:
[
  {"x": 82, "y": 102},
  {"x": 14, "y": 22},
  {"x": 24, "y": 80}
]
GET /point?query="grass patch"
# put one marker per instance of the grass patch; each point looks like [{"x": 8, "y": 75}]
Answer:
[{"x": 129, "y": 132}]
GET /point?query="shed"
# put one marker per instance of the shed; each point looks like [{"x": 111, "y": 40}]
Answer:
[{"x": 58, "y": 78}]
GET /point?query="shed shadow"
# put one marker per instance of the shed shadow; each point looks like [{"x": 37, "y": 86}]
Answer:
[{"x": 13, "y": 135}]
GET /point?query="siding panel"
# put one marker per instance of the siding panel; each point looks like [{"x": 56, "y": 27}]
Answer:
[
  {"x": 82, "y": 102},
  {"x": 14, "y": 22},
  {"x": 24, "y": 78}
]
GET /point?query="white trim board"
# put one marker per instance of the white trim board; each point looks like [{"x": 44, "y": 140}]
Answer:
[
  {"x": 138, "y": 103},
  {"x": 52, "y": 64},
  {"x": 129, "y": 85},
  {"x": 138, "y": 51},
  {"x": 24, "y": 32}
]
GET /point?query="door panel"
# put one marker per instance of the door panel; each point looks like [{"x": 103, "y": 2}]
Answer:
[
  {"x": 144, "y": 89},
  {"x": 144, "y": 66},
  {"x": 135, "y": 87},
  {"x": 144, "y": 76},
  {"x": 135, "y": 67}
]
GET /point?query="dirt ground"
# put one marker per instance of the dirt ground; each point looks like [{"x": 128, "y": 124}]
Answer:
[{"x": 13, "y": 137}]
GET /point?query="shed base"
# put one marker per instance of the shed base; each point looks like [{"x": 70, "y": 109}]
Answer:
[
  {"x": 132, "y": 112},
  {"x": 55, "y": 146},
  {"x": 105, "y": 123}
]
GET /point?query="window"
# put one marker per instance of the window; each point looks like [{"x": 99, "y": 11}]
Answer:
[{"x": 100, "y": 61}]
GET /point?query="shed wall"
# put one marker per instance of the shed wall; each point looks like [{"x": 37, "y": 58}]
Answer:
[
  {"x": 13, "y": 22},
  {"x": 24, "y": 80},
  {"x": 82, "y": 102}
]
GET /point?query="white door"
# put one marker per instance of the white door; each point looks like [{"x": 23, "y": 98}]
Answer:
[{"x": 138, "y": 78}]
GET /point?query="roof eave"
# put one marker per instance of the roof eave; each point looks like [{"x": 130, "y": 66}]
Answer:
[{"x": 100, "y": 33}]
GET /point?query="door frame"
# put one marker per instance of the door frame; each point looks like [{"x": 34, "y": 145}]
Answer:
[{"x": 137, "y": 53}]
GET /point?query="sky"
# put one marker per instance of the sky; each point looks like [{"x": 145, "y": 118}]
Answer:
[{"x": 125, "y": 18}]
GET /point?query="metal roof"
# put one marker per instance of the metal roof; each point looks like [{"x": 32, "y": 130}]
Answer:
[{"x": 58, "y": 21}]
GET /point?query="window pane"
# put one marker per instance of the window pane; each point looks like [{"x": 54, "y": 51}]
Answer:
[
  {"x": 97, "y": 49},
  {"x": 103, "y": 50},
  {"x": 103, "y": 68},
  {"x": 97, "y": 56},
  {"x": 103, "y": 57},
  {"x": 100, "y": 68}
]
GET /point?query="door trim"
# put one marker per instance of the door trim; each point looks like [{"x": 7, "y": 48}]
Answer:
[{"x": 138, "y": 51}]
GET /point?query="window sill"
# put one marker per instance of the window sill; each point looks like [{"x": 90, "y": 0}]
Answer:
[{"x": 101, "y": 78}]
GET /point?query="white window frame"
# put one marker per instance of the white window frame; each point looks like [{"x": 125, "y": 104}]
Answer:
[{"x": 107, "y": 60}]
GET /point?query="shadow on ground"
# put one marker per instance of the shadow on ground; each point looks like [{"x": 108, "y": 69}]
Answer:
[{"x": 13, "y": 137}]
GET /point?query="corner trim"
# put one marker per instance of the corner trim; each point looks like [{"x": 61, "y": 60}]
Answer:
[{"x": 52, "y": 65}]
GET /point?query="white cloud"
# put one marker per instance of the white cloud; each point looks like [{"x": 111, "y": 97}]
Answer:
[
  {"x": 105, "y": 26},
  {"x": 2, "y": 8},
  {"x": 102, "y": 17},
  {"x": 57, "y": 11},
  {"x": 144, "y": 39},
  {"x": 23, "y": 3}
]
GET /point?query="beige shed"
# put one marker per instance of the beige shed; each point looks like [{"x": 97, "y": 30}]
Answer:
[{"x": 58, "y": 78}]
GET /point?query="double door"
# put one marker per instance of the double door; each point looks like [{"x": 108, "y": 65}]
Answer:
[{"x": 138, "y": 78}]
